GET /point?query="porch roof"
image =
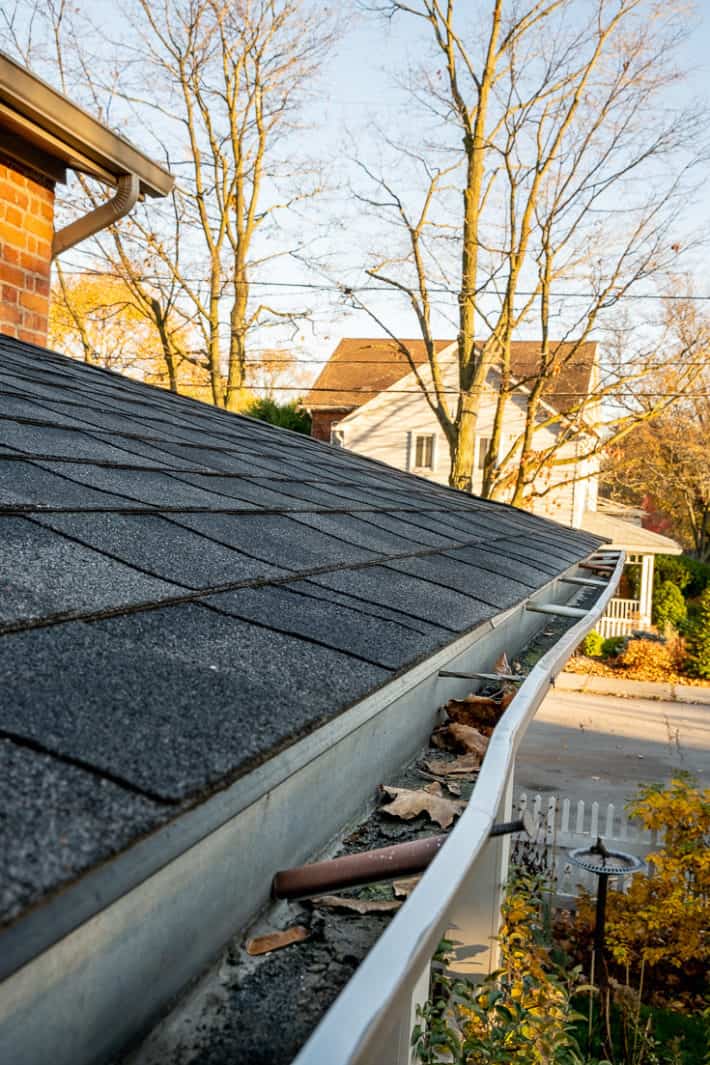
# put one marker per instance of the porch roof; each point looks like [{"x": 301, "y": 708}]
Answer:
[{"x": 631, "y": 538}]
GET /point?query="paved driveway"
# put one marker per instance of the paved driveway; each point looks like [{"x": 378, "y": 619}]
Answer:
[{"x": 602, "y": 747}]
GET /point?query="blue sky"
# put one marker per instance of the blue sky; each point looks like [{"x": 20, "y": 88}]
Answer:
[{"x": 355, "y": 94}]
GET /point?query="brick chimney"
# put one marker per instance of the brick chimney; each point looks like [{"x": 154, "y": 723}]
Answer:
[{"x": 26, "y": 231}]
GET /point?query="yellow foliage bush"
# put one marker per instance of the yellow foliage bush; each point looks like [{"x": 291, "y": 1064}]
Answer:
[
  {"x": 651, "y": 656},
  {"x": 663, "y": 921},
  {"x": 520, "y": 1014}
]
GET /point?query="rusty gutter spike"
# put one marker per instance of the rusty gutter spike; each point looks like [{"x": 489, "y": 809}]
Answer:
[
  {"x": 481, "y": 676},
  {"x": 367, "y": 867}
]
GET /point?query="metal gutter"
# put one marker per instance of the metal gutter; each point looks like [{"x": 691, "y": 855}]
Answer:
[
  {"x": 365, "y": 1022},
  {"x": 104, "y": 215},
  {"x": 36, "y": 112},
  {"x": 130, "y": 935}
]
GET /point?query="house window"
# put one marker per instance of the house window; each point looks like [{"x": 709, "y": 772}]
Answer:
[
  {"x": 484, "y": 445},
  {"x": 424, "y": 452}
]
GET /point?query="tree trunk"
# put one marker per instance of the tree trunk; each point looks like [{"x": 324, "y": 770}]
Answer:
[
  {"x": 464, "y": 446},
  {"x": 237, "y": 345}
]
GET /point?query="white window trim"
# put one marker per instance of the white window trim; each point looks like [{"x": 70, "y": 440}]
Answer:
[{"x": 412, "y": 452}]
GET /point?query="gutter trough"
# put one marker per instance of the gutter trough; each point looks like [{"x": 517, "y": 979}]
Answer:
[{"x": 88, "y": 974}]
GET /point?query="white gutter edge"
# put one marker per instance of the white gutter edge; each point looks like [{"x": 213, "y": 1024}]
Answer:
[
  {"x": 106, "y": 214},
  {"x": 355, "y": 1028}
]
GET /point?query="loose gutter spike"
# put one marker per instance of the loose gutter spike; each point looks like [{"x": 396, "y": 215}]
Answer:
[
  {"x": 384, "y": 863},
  {"x": 556, "y": 608},
  {"x": 516, "y": 678}
]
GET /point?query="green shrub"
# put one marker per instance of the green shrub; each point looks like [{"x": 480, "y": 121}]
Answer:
[
  {"x": 592, "y": 644},
  {"x": 690, "y": 575},
  {"x": 698, "y": 641},
  {"x": 613, "y": 646},
  {"x": 672, "y": 568},
  {"x": 668, "y": 605},
  {"x": 699, "y": 576},
  {"x": 285, "y": 415}
]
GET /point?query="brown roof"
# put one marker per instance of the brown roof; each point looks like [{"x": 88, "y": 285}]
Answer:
[{"x": 360, "y": 369}]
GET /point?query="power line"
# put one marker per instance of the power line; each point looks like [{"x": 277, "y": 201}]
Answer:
[
  {"x": 455, "y": 392},
  {"x": 406, "y": 366},
  {"x": 353, "y": 290}
]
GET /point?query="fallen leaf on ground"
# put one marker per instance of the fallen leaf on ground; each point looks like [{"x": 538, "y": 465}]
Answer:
[
  {"x": 404, "y": 888},
  {"x": 276, "y": 940},
  {"x": 407, "y": 804},
  {"x": 464, "y": 765},
  {"x": 342, "y": 902},
  {"x": 453, "y": 787}
]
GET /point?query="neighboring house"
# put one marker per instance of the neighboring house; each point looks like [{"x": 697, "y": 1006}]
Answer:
[
  {"x": 367, "y": 399},
  {"x": 631, "y": 608}
]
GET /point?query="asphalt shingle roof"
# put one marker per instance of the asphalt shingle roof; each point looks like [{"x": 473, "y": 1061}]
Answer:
[{"x": 184, "y": 592}]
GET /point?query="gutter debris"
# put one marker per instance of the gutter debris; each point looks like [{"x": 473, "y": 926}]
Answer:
[{"x": 262, "y": 1000}]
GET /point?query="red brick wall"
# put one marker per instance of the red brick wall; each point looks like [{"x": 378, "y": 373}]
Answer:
[
  {"x": 323, "y": 420},
  {"x": 26, "y": 230}
]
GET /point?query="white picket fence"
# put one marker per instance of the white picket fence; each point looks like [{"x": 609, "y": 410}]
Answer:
[
  {"x": 564, "y": 824},
  {"x": 620, "y": 618}
]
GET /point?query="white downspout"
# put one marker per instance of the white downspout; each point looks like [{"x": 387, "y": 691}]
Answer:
[{"x": 119, "y": 205}]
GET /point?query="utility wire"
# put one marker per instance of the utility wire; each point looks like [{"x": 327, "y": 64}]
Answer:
[
  {"x": 383, "y": 288},
  {"x": 305, "y": 389}
]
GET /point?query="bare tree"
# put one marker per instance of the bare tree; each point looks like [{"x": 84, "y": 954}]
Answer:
[
  {"x": 551, "y": 156},
  {"x": 665, "y": 459},
  {"x": 219, "y": 86}
]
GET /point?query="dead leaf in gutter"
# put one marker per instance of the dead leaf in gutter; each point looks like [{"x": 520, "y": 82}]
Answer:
[
  {"x": 342, "y": 902},
  {"x": 474, "y": 710},
  {"x": 508, "y": 696},
  {"x": 440, "y": 738},
  {"x": 404, "y": 888},
  {"x": 475, "y": 700},
  {"x": 407, "y": 804},
  {"x": 503, "y": 665},
  {"x": 468, "y": 739},
  {"x": 276, "y": 940},
  {"x": 462, "y": 766}
]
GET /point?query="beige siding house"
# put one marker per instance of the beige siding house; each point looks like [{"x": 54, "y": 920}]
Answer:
[
  {"x": 378, "y": 409},
  {"x": 368, "y": 400}
]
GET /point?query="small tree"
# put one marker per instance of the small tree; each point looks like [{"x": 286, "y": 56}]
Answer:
[
  {"x": 659, "y": 926},
  {"x": 669, "y": 605},
  {"x": 699, "y": 639},
  {"x": 285, "y": 415},
  {"x": 539, "y": 119}
]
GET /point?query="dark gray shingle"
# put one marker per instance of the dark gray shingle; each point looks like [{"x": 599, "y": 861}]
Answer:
[{"x": 185, "y": 592}]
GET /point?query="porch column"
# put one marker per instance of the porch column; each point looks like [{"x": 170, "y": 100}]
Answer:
[{"x": 646, "y": 594}]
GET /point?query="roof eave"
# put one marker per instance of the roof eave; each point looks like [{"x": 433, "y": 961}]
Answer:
[{"x": 35, "y": 112}]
